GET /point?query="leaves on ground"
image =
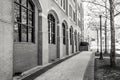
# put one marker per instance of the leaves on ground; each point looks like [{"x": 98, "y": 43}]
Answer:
[{"x": 103, "y": 71}]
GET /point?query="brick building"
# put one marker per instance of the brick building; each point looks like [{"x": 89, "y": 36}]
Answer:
[{"x": 37, "y": 32}]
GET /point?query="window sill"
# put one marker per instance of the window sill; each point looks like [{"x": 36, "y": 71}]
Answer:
[{"x": 24, "y": 43}]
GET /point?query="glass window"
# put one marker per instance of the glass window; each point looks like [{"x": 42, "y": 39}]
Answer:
[
  {"x": 24, "y": 2},
  {"x": 17, "y": 13},
  {"x": 70, "y": 36},
  {"x": 74, "y": 16},
  {"x": 16, "y": 32},
  {"x": 75, "y": 38},
  {"x": 18, "y": 1},
  {"x": 64, "y": 4},
  {"x": 64, "y": 33},
  {"x": 51, "y": 29},
  {"x": 66, "y": 7},
  {"x": 61, "y": 2},
  {"x": 70, "y": 11},
  {"x": 24, "y": 16},
  {"x": 24, "y": 21}
]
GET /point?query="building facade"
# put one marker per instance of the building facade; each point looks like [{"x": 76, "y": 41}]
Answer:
[{"x": 37, "y": 32}]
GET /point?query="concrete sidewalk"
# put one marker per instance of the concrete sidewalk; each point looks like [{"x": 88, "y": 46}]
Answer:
[{"x": 71, "y": 69}]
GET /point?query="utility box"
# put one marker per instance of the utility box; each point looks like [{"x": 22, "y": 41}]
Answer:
[{"x": 84, "y": 46}]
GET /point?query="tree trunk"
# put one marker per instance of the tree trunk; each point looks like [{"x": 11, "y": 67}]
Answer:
[
  {"x": 101, "y": 56},
  {"x": 112, "y": 54},
  {"x": 106, "y": 36},
  {"x": 106, "y": 28}
]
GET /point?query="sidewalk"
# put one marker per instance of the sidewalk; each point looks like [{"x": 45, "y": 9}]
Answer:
[{"x": 71, "y": 69}]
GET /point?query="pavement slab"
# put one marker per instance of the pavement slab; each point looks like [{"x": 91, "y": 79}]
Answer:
[{"x": 71, "y": 69}]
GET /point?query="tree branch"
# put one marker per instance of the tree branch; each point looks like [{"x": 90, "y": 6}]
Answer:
[
  {"x": 116, "y": 14},
  {"x": 96, "y": 4}
]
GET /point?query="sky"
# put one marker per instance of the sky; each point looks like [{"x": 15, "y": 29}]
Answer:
[{"x": 88, "y": 18}]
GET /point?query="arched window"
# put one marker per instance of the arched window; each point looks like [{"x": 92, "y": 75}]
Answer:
[
  {"x": 75, "y": 37},
  {"x": 78, "y": 36},
  {"x": 51, "y": 29},
  {"x": 70, "y": 36},
  {"x": 64, "y": 33},
  {"x": 24, "y": 29}
]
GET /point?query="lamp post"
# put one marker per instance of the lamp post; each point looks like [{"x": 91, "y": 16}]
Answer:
[{"x": 101, "y": 56}]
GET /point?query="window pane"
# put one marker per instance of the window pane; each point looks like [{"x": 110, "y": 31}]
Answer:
[
  {"x": 24, "y": 33},
  {"x": 30, "y": 18},
  {"x": 48, "y": 30},
  {"x": 53, "y": 38},
  {"x": 24, "y": 16},
  {"x": 63, "y": 25},
  {"x": 54, "y": 32},
  {"x": 29, "y": 34},
  {"x": 17, "y": 13},
  {"x": 70, "y": 36},
  {"x": 63, "y": 40},
  {"x": 64, "y": 4},
  {"x": 48, "y": 26},
  {"x": 63, "y": 30},
  {"x": 51, "y": 29},
  {"x": 18, "y": 1},
  {"x": 49, "y": 37},
  {"x": 30, "y": 6},
  {"x": 24, "y": 3},
  {"x": 16, "y": 35},
  {"x": 61, "y": 2},
  {"x": 54, "y": 27}
]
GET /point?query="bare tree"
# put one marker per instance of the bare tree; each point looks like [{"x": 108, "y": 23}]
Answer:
[
  {"x": 106, "y": 12},
  {"x": 113, "y": 7},
  {"x": 112, "y": 54}
]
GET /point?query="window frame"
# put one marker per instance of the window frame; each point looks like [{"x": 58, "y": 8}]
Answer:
[
  {"x": 70, "y": 36},
  {"x": 64, "y": 4},
  {"x": 26, "y": 25},
  {"x": 70, "y": 11},
  {"x": 51, "y": 29},
  {"x": 64, "y": 33}
]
